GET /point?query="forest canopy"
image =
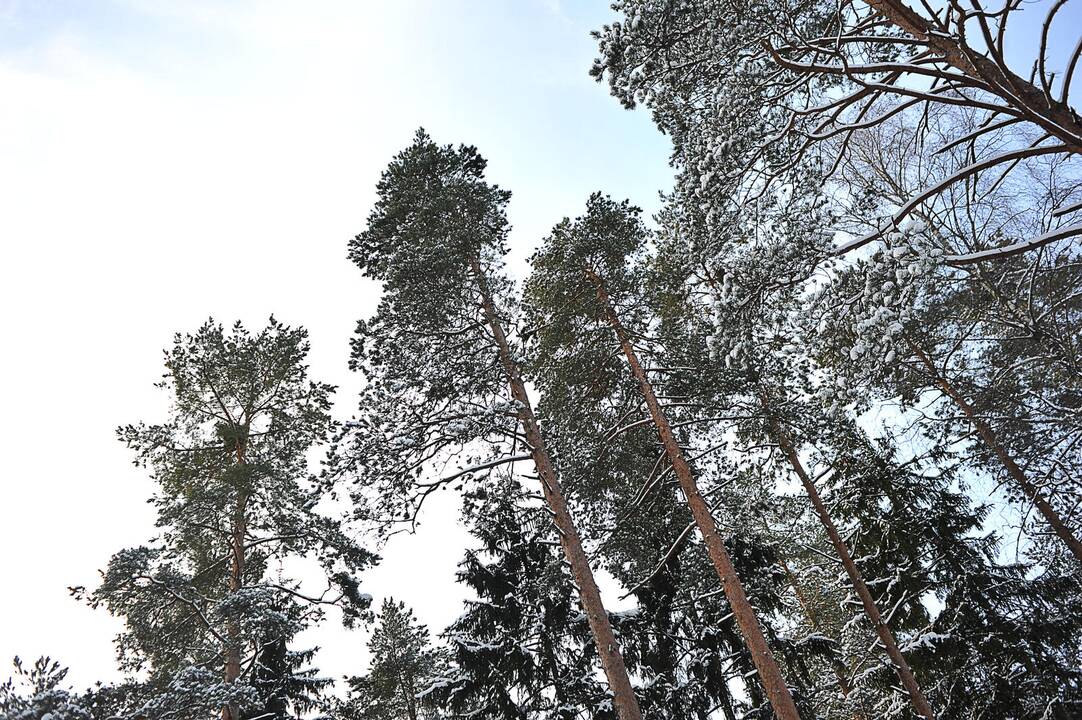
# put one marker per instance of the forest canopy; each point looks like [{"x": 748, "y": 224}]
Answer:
[{"x": 818, "y": 420}]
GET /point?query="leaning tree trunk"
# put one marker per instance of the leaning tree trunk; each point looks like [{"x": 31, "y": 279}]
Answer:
[
  {"x": 1054, "y": 117},
  {"x": 871, "y": 609},
  {"x": 781, "y": 700},
  {"x": 984, "y": 430},
  {"x": 612, "y": 662},
  {"x": 238, "y": 531}
]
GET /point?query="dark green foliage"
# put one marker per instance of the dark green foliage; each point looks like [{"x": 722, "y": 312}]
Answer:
[
  {"x": 436, "y": 392},
  {"x": 233, "y": 502},
  {"x": 523, "y": 649}
]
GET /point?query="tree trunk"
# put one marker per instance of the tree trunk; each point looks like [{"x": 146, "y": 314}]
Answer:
[
  {"x": 989, "y": 437},
  {"x": 871, "y": 610},
  {"x": 612, "y": 662},
  {"x": 239, "y": 528},
  {"x": 769, "y": 673},
  {"x": 1056, "y": 118}
]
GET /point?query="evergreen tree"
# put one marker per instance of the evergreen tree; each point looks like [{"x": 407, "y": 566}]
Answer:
[
  {"x": 523, "y": 648},
  {"x": 711, "y": 74},
  {"x": 591, "y": 254},
  {"x": 401, "y": 669},
  {"x": 445, "y": 379},
  {"x": 36, "y": 693},
  {"x": 209, "y": 611}
]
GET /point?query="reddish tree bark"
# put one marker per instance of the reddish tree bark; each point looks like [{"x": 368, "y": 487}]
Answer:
[
  {"x": 612, "y": 661},
  {"x": 781, "y": 700},
  {"x": 239, "y": 529}
]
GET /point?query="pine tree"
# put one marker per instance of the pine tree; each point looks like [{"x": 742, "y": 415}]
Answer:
[
  {"x": 445, "y": 380},
  {"x": 401, "y": 668},
  {"x": 590, "y": 254},
  {"x": 208, "y": 609},
  {"x": 910, "y": 328}
]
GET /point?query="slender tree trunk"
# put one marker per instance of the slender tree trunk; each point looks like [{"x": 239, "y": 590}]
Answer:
[
  {"x": 612, "y": 662},
  {"x": 769, "y": 673},
  {"x": 239, "y": 529},
  {"x": 984, "y": 430},
  {"x": 871, "y": 610}
]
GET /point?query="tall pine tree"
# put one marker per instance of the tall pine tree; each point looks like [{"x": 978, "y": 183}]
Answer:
[{"x": 445, "y": 379}]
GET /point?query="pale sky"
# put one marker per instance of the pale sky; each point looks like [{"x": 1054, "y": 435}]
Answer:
[{"x": 165, "y": 161}]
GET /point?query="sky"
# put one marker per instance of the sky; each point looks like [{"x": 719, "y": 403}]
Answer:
[{"x": 162, "y": 162}]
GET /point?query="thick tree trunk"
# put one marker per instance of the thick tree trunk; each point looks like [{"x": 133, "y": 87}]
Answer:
[
  {"x": 984, "y": 430},
  {"x": 239, "y": 529},
  {"x": 612, "y": 662},
  {"x": 871, "y": 610},
  {"x": 777, "y": 692}
]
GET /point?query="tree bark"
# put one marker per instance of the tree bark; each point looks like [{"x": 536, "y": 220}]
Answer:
[
  {"x": 1056, "y": 118},
  {"x": 612, "y": 662},
  {"x": 984, "y": 430},
  {"x": 777, "y": 692},
  {"x": 871, "y": 610},
  {"x": 239, "y": 529}
]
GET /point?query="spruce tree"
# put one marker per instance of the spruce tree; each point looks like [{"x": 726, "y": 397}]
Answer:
[
  {"x": 36, "y": 693},
  {"x": 522, "y": 649},
  {"x": 445, "y": 379},
  {"x": 208, "y": 608}
]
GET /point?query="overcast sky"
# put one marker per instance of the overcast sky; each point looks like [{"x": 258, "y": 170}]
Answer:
[{"x": 165, "y": 161}]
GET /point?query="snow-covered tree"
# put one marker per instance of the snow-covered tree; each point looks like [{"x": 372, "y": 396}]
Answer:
[
  {"x": 583, "y": 268},
  {"x": 750, "y": 92},
  {"x": 401, "y": 667},
  {"x": 894, "y": 132},
  {"x": 446, "y": 401},
  {"x": 523, "y": 648},
  {"x": 209, "y": 608},
  {"x": 36, "y": 693}
]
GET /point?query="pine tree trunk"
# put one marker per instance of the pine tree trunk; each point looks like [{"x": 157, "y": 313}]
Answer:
[
  {"x": 612, "y": 662},
  {"x": 781, "y": 700},
  {"x": 871, "y": 610},
  {"x": 239, "y": 528},
  {"x": 1054, "y": 117},
  {"x": 989, "y": 437}
]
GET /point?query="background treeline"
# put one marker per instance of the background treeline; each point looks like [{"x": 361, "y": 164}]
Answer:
[{"x": 821, "y": 419}]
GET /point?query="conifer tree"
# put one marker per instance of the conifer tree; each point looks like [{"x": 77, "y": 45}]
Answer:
[
  {"x": 910, "y": 535},
  {"x": 590, "y": 254},
  {"x": 445, "y": 380},
  {"x": 712, "y": 74},
  {"x": 36, "y": 693},
  {"x": 522, "y": 649},
  {"x": 402, "y": 664},
  {"x": 209, "y": 611}
]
